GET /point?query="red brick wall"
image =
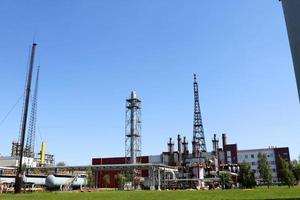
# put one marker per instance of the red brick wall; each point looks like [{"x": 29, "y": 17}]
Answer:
[{"x": 112, "y": 174}]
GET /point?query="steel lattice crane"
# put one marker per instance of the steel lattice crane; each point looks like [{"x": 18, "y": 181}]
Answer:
[
  {"x": 18, "y": 180},
  {"x": 199, "y": 144},
  {"x": 30, "y": 140}
]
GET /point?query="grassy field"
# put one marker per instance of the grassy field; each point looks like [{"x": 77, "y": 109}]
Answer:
[{"x": 261, "y": 193}]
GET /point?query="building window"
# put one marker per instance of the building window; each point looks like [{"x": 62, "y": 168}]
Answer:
[
  {"x": 271, "y": 155},
  {"x": 252, "y": 163},
  {"x": 228, "y": 153},
  {"x": 252, "y": 155},
  {"x": 254, "y": 171},
  {"x": 246, "y": 156},
  {"x": 274, "y": 170},
  {"x": 272, "y": 162}
]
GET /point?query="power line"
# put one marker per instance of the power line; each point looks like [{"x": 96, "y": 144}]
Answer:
[{"x": 10, "y": 111}]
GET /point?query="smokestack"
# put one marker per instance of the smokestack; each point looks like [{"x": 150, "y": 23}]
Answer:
[
  {"x": 133, "y": 129},
  {"x": 179, "y": 149},
  {"x": 170, "y": 146},
  {"x": 185, "y": 148},
  {"x": 196, "y": 148},
  {"x": 215, "y": 143},
  {"x": 171, "y": 152},
  {"x": 224, "y": 140}
]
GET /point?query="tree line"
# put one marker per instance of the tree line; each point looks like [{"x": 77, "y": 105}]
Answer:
[{"x": 289, "y": 172}]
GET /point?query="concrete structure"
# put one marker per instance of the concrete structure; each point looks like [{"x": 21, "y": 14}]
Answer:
[
  {"x": 291, "y": 9},
  {"x": 273, "y": 155},
  {"x": 9, "y": 161}
]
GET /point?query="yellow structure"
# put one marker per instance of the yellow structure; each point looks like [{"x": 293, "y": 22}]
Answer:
[{"x": 43, "y": 150}]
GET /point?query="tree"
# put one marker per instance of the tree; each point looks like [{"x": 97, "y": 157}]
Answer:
[
  {"x": 286, "y": 174},
  {"x": 61, "y": 164},
  {"x": 246, "y": 176},
  {"x": 296, "y": 169},
  {"x": 90, "y": 178},
  {"x": 120, "y": 179},
  {"x": 264, "y": 169},
  {"x": 226, "y": 180},
  {"x": 106, "y": 180}
]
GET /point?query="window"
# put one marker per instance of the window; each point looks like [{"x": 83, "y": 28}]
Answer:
[
  {"x": 254, "y": 171},
  {"x": 272, "y": 162},
  {"x": 252, "y": 163},
  {"x": 228, "y": 153},
  {"x": 271, "y": 155},
  {"x": 274, "y": 170},
  {"x": 252, "y": 155},
  {"x": 246, "y": 156}
]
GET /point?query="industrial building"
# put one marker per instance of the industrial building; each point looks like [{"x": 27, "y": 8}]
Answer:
[
  {"x": 273, "y": 155},
  {"x": 197, "y": 168},
  {"x": 232, "y": 157}
]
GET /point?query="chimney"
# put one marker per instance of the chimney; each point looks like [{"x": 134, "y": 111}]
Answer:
[
  {"x": 185, "y": 148},
  {"x": 215, "y": 143},
  {"x": 224, "y": 141},
  {"x": 170, "y": 146},
  {"x": 179, "y": 149}
]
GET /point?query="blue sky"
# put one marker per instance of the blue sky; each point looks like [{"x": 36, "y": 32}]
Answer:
[{"x": 93, "y": 53}]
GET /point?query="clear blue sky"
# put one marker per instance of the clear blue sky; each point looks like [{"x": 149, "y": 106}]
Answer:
[{"x": 93, "y": 53}]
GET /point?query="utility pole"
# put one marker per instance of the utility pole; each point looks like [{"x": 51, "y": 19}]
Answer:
[{"x": 18, "y": 182}]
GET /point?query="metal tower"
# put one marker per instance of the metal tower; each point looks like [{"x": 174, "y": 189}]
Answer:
[
  {"x": 18, "y": 181},
  {"x": 198, "y": 132},
  {"x": 133, "y": 129},
  {"x": 30, "y": 140}
]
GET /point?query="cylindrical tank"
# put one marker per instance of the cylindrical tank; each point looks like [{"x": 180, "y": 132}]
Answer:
[
  {"x": 57, "y": 181},
  {"x": 34, "y": 179},
  {"x": 7, "y": 179}
]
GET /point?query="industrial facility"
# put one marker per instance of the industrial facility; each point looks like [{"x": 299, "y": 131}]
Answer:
[
  {"x": 180, "y": 168},
  {"x": 186, "y": 162},
  {"x": 30, "y": 157}
]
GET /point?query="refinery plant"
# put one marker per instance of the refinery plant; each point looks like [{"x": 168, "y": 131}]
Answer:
[
  {"x": 176, "y": 167},
  {"x": 172, "y": 169}
]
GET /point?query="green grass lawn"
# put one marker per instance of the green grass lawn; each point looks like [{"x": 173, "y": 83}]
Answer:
[{"x": 259, "y": 193}]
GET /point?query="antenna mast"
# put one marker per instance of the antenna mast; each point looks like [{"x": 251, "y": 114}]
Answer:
[{"x": 199, "y": 144}]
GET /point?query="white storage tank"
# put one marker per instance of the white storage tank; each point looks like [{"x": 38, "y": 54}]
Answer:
[
  {"x": 37, "y": 180},
  {"x": 58, "y": 181},
  {"x": 7, "y": 179}
]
